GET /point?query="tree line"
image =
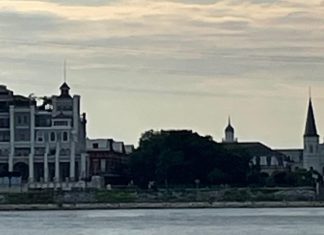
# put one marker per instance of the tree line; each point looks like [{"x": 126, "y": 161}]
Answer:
[{"x": 184, "y": 158}]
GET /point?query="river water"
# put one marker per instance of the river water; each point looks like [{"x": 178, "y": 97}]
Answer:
[{"x": 165, "y": 222}]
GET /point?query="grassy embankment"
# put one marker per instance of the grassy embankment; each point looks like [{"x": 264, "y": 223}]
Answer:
[{"x": 160, "y": 196}]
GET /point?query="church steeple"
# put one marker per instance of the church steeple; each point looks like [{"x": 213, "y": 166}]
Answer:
[
  {"x": 229, "y": 133},
  {"x": 311, "y": 156},
  {"x": 310, "y": 130},
  {"x": 229, "y": 127}
]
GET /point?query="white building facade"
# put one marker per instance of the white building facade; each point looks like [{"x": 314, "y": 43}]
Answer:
[{"x": 45, "y": 143}]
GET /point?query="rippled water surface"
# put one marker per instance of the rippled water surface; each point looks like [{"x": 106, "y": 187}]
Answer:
[{"x": 178, "y": 222}]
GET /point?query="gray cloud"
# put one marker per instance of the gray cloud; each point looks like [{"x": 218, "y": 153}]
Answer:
[
  {"x": 81, "y": 2},
  {"x": 203, "y": 53},
  {"x": 300, "y": 18}
]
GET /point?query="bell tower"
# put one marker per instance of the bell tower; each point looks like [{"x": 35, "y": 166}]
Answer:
[{"x": 229, "y": 133}]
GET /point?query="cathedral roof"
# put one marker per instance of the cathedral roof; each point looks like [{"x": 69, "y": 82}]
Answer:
[{"x": 310, "y": 130}]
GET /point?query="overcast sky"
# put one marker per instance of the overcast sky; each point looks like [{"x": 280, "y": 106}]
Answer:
[{"x": 162, "y": 64}]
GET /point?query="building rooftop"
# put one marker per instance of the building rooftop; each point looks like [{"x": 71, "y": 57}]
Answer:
[
  {"x": 253, "y": 148},
  {"x": 65, "y": 91},
  {"x": 109, "y": 145}
]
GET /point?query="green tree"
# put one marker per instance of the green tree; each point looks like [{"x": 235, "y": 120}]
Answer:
[
  {"x": 181, "y": 157},
  {"x": 168, "y": 163}
]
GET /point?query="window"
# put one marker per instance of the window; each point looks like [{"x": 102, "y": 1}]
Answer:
[
  {"x": 43, "y": 121},
  {"x": 22, "y": 119},
  {"x": 65, "y": 136},
  {"x": 52, "y": 152},
  {"x": 4, "y": 136},
  {"x": 4, "y": 152},
  {"x": 25, "y": 119},
  {"x": 95, "y": 145},
  {"x": 52, "y": 137},
  {"x": 40, "y": 137},
  {"x": 61, "y": 123},
  {"x": 22, "y": 135},
  {"x": 19, "y": 120},
  {"x": 4, "y": 123}
]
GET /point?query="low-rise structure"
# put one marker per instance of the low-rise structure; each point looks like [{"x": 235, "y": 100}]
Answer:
[
  {"x": 295, "y": 157},
  {"x": 109, "y": 159},
  {"x": 267, "y": 159}
]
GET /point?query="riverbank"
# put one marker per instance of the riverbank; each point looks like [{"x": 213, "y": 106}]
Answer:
[
  {"x": 186, "y": 205},
  {"x": 161, "y": 199}
]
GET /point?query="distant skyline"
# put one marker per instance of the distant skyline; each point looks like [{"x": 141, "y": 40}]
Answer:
[{"x": 168, "y": 64}]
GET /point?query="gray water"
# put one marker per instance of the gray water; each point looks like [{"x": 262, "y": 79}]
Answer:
[{"x": 160, "y": 222}]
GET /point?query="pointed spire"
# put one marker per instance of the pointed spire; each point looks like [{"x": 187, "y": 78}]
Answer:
[
  {"x": 229, "y": 127},
  {"x": 310, "y": 130}
]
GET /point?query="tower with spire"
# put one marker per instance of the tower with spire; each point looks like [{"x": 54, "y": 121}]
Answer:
[
  {"x": 311, "y": 152},
  {"x": 229, "y": 133}
]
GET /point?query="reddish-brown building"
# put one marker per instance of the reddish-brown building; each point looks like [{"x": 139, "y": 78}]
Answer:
[{"x": 109, "y": 159}]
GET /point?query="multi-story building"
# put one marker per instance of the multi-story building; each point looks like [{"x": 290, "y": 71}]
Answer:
[
  {"x": 44, "y": 142},
  {"x": 109, "y": 159}
]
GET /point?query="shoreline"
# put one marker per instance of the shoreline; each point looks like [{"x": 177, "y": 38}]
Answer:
[{"x": 162, "y": 205}]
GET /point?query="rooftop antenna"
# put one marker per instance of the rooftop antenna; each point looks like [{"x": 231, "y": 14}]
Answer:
[
  {"x": 229, "y": 120},
  {"x": 310, "y": 92},
  {"x": 64, "y": 75}
]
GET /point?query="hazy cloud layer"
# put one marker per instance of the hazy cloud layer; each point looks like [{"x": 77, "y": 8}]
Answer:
[{"x": 197, "y": 61}]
